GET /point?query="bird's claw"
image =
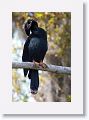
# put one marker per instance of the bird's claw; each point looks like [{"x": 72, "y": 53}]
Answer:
[
  {"x": 43, "y": 65},
  {"x": 36, "y": 64}
]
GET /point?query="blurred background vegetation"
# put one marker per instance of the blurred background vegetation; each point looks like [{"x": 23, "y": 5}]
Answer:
[{"x": 53, "y": 87}]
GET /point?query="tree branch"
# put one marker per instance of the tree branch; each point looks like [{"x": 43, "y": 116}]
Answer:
[{"x": 49, "y": 68}]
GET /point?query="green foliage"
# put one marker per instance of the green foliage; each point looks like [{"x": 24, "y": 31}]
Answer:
[
  {"x": 25, "y": 98},
  {"x": 68, "y": 98},
  {"x": 15, "y": 77}
]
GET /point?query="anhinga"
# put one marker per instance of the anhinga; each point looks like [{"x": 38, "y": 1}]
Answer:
[{"x": 34, "y": 50}]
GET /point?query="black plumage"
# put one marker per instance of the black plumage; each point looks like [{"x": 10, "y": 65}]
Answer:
[{"x": 35, "y": 49}]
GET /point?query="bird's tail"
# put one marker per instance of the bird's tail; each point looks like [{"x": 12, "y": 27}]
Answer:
[{"x": 34, "y": 76}]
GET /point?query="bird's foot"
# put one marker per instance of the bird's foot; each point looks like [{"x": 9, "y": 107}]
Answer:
[
  {"x": 43, "y": 65},
  {"x": 36, "y": 64}
]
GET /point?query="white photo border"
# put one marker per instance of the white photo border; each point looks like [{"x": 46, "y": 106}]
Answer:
[{"x": 76, "y": 104}]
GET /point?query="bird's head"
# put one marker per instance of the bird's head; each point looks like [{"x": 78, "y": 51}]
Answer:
[{"x": 30, "y": 25}]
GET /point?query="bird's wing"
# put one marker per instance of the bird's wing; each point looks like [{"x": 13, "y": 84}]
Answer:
[
  {"x": 25, "y": 51},
  {"x": 25, "y": 55}
]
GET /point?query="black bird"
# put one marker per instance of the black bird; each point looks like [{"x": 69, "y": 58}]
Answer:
[{"x": 34, "y": 50}]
